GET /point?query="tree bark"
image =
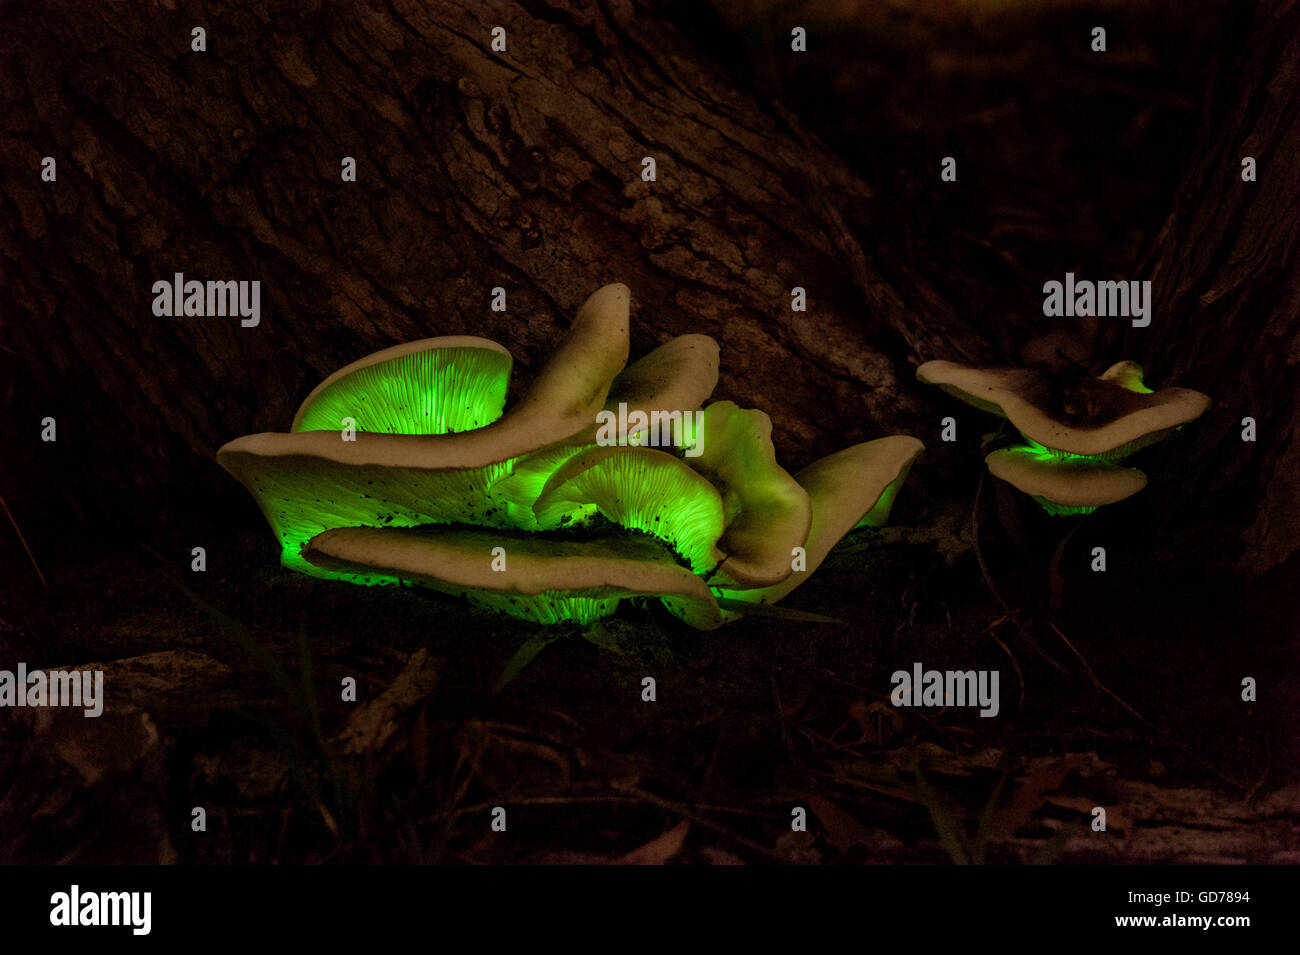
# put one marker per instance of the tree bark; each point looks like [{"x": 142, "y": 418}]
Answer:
[{"x": 1224, "y": 272}]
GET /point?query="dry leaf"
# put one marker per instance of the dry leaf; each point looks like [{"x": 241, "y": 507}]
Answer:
[
  {"x": 842, "y": 830},
  {"x": 660, "y": 849}
]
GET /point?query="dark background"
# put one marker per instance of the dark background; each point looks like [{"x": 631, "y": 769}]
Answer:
[{"x": 776, "y": 169}]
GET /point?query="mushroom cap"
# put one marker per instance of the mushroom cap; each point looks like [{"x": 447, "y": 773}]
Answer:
[
  {"x": 679, "y": 374},
  {"x": 849, "y": 488},
  {"x": 576, "y": 379},
  {"x": 1112, "y": 415},
  {"x": 542, "y": 579},
  {"x": 1073, "y": 482},
  {"x": 768, "y": 513},
  {"x": 432, "y": 386},
  {"x": 1126, "y": 374},
  {"x": 303, "y": 495},
  {"x": 845, "y": 489},
  {"x": 310, "y": 481},
  {"x": 641, "y": 489},
  {"x": 563, "y": 401}
]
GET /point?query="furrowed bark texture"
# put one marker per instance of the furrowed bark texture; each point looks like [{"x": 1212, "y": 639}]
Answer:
[{"x": 1225, "y": 280}]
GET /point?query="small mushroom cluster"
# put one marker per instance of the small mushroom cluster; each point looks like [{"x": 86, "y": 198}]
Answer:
[
  {"x": 1075, "y": 429},
  {"x": 402, "y": 467}
]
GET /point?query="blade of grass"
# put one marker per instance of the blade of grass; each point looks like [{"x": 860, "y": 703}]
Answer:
[
  {"x": 247, "y": 642},
  {"x": 985, "y": 828},
  {"x": 767, "y": 610},
  {"x": 523, "y": 656},
  {"x": 945, "y": 824}
]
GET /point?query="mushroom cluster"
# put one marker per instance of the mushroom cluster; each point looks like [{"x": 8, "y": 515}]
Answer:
[
  {"x": 405, "y": 467},
  {"x": 1075, "y": 430}
]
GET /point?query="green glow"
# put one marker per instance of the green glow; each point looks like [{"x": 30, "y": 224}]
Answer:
[
  {"x": 439, "y": 391},
  {"x": 519, "y": 490},
  {"x": 1062, "y": 510},
  {"x": 580, "y": 574},
  {"x": 766, "y": 511},
  {"x": 1117, "y": 453},
  {"x": 548, "y": 507},
  {"x": 878, "y": 516},
  {"x": 643, "y": 490},
  {"x": 692, "y": 427},
  {"x": 1038, "y": 452},
  {"x": 1059, "y": 461},
  {"x": 550, "y": 606},
  {"x": 303, "y": 496}
]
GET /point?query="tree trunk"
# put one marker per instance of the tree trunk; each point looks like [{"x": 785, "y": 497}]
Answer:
[
  {"x": 522, "y": 169},
  {"x": 1224, "y": 272},
  {"x": 476, "y": 169}
]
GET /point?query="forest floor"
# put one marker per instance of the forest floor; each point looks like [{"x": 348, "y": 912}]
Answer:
[{"x": 224, "y": 691}]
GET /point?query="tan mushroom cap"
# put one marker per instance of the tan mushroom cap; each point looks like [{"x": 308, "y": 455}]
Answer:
[
  {"x": 1126, "y": 374},
  {"x": 563, "y": 400},
  {"x": 1086, "y": 416},
  {"x": 844, "y": 490},
  {"x": 767, "y": 511},
  {"x": 678, "y": 375},
  {"x": 1073, "y": 482},
  {"x": 460, "y": 560}
]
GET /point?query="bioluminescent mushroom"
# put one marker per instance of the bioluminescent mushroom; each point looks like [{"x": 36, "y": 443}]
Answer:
[
  {"x": 307, "y": 482},
  {"x": 1108, "y": 417},
  {"x": 537, "y": 579},
  {"x": 406, "y": 466},
  {"x": 1075, "y": 428},
  {"x": 679, "y": 375},
  {"x": 1065, "y": 486},
  {"x": 767, "y": 511},
  {"x": 642, "y": 489},
  {"x": 852, "y": 488}
]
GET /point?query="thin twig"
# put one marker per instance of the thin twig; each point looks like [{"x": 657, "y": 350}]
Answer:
[
  {"x": 1020, "y": 677},
  {"x": 23, "y": 540},
  {"x": 785, "y": 727},
  {"x": 932, "y": 722},
  {"x": 1096, "y": 682},
  {"x": 1167, "y": 736},
  {"x": 1263, "y": 777},
  {"x": 1057, "y": 582},
  {"x": 988, "y": 580}
]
